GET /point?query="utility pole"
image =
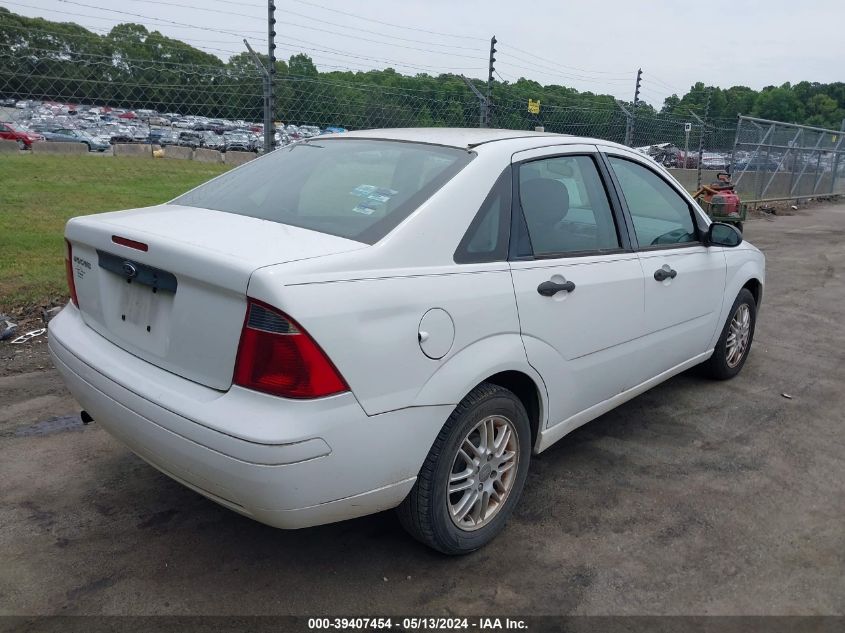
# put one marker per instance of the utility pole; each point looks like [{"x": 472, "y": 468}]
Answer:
[
  {"x": 701, "y": 137},
  {"x": 269, "y": 130},
  {"x": 630, "y": 131},
  {"x": 488, "y": 107}
]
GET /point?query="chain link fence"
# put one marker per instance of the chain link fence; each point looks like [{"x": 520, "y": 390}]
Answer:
[
  {"x": 775, "y": 161},
  {"x": 77, "y": 101}
]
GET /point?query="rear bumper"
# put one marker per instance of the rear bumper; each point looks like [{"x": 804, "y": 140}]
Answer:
[{"x": 286, "y": 463}]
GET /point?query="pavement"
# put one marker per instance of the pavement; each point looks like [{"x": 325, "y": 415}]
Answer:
[{"x": 697, "y": 497}]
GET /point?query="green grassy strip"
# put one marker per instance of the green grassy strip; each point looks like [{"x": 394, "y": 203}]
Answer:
[{"x": 38, "y": 194}]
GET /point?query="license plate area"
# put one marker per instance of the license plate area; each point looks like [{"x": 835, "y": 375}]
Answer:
[{"x": 139, "y": 300}]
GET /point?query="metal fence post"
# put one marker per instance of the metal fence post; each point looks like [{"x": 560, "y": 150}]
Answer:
[
  {"x": 483, "y": 105},
  {"x": 629, "y": 124},
  {"x": 836, "y": 155},
  {"x": 736, "y": 145},
  {"x": 701, "y": 138}
]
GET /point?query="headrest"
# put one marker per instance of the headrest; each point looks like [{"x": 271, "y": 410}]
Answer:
[{"x": 544, "y": 200}]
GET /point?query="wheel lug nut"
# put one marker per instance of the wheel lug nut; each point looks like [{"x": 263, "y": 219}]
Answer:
[
  {"x": 480, "y": 486},
  {"x": 489, "y": 457}
]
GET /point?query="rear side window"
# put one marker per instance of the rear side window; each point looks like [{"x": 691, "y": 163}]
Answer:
[
  {"x": 486, "y": 240},
  {"x": 565, "y": 207},
  {"x": 354, "y": 188}
]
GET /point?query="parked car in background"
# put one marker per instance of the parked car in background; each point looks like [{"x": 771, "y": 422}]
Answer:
[
  {"x": 190, "y": 139},
  {"x": 24, "y": 138},
  {"x": 290, "y": 348},
  {"x": 237, "y": 141},
  {"x": 163, "y": 137},
  {"x": 212, "y": 140},
  {"x": 755, "y": 163},
  {"x": 66, "y": 135},
  {"x": 715, "y": 161}
]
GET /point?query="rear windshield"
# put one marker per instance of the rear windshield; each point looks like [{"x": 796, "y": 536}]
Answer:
[{"x": 354, "y": 188}]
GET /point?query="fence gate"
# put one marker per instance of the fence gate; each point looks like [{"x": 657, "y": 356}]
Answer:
[{"x": 784, "y": 161}]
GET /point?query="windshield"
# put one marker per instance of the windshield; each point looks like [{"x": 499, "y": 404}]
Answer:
[{"x": 357, "y": 189}]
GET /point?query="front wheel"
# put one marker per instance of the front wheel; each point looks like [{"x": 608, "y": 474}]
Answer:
[
  {"x": 21, "y": 145},
  {"x": 473, "y": 475},
  {"x": 735, "y": 342}
]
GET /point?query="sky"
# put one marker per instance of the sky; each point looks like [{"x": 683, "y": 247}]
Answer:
[{"x": 594, "y": 46}]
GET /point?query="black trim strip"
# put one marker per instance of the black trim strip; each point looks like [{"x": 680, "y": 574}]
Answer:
[{"x": 136, "y": 272}]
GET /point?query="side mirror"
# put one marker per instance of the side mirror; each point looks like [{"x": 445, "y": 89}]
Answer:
[{"x": 722, "y": 234}]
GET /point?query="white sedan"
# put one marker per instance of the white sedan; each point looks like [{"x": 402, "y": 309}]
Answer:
[{"x": 396, "y": 318}]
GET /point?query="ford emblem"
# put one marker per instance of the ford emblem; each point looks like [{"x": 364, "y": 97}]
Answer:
[{"x": 129, "y": 270}]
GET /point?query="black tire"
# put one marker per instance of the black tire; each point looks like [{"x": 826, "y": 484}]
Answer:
[
  {"x": 718, "y": 366},
  {"x": 425, "y": 512}
]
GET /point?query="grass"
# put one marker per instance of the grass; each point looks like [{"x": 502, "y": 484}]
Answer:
[{"x": 38, "y": 194}]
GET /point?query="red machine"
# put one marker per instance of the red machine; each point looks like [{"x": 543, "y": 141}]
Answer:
[{"x": 721, "y": 202}]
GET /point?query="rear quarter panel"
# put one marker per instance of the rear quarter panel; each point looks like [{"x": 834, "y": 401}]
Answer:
[{"x": 369, "y": 328}]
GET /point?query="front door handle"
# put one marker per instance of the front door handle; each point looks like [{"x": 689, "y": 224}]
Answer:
[
  {"x": 662, "y": 274},
  {"x": 550, "y": 288}
]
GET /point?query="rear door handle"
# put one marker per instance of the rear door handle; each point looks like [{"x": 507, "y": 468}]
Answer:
[
  {"x": 550, "y": 288},
  {"x": 662, "y": 274}
]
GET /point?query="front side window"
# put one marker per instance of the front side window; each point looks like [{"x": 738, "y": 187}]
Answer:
[
  {"x": 565, "y": 207},
  {"x": 660, "y": 215},
  {"x": 354, "y": 188}
]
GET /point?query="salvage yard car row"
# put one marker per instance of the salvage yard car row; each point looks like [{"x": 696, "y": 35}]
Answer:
[
  {"x": 764, "y": 160},
  {"x": 100, "y": 127}
]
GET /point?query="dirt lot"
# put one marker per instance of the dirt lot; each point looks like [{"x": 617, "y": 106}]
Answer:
[{"x": 697, "y": 497}]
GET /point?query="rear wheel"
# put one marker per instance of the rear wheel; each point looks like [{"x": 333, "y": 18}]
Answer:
[
  {"x": 735, "y": 342},
  {"x": 473, "y": 475}
]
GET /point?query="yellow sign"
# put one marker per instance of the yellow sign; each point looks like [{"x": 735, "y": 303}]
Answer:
[{"x": 534, "y": 106}]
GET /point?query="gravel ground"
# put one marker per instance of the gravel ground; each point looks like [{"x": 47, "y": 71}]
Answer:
[{"x": 695, "y": 498}]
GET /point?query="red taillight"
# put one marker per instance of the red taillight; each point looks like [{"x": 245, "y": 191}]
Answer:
[
  {"x": 278, "y": 357},
  {"x": 71, "y": 281}
]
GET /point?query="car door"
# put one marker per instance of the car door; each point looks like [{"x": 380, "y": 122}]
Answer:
[
  {"x": 578, "y": 283},
  {"x": 684, "y": 279}
]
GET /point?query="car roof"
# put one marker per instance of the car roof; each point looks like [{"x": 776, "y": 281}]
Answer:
[{"x": 464, "y": 138}]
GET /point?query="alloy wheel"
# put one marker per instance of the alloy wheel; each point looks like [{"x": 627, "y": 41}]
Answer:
[
  {"x": 739, "y": 333},
  {"x": 483, "y": 473}
]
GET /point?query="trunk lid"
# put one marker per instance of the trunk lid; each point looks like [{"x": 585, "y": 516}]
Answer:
[{"x": 180, "y": 304}]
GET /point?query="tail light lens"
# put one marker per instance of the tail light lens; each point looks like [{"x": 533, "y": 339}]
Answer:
[
  {"x": 277, "y": 356},
  {"x": 71, "y": 281}
]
